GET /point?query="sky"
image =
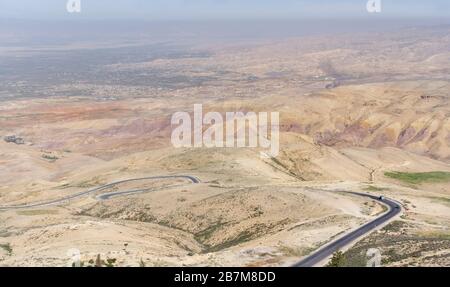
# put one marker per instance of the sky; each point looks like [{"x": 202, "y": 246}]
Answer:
[{"x": 220, "y": 9}]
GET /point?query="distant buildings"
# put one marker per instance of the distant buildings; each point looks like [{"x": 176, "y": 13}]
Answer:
[{"x": 14, "y": 139}]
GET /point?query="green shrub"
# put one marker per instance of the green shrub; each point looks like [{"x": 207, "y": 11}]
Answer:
[{"x": 420, "y": 177}]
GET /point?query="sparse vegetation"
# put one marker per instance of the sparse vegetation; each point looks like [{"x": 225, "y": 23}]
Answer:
[
  {"x": 142, "y": 263},
  {"x": 160, "y": 263},
  {"x": 374, "y": 188},
  {"x": 420, "y": 177},
  {"x": 7, "y": 248},
  {"x": 50, "y": 158},
  {"x": 88, "y": 183},
  {"x": 338, "y": 260},
  {"x": 110, "y": 262},
  {"x": 436, "y": 234},
  {"x": 36, "y": 212},
  {"x": 98, "y": 262},
  {"x": 181, "y": 199},
  {"x": 295, "y": 251},
  {"x": 91, "y": 116},
  {"x": 445, "y": 200},
  {"x": 395, "y": 226},
  {"x": 399, "y": 242}
]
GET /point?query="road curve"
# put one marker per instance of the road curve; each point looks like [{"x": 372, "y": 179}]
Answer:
[
  {"x": 97, "y": 189},
  {"x": 310, "y": 261},
  {"x": 327, "y": 250}
]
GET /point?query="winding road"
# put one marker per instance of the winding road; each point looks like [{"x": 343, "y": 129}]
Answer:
[
  {"x": 97, "y": 189},
  {"x": 310, "y": 261},
  {"x": 326, "y": 251}
]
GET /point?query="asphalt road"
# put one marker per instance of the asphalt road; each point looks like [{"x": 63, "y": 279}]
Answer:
[
  {"x": 310, "y": 261},
  {"x": 327, "y": 250},
  {"x": 97, "y": 189}
]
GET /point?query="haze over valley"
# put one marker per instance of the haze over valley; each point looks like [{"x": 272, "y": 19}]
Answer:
[{"x": 362, "y": 110}]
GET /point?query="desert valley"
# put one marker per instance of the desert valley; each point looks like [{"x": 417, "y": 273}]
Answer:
[{"x": 359, "y": 112}]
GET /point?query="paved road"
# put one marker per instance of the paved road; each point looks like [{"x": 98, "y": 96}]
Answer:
[
  {"x": 97, "y": 189},
  {"x": 311, "y": 260},
  {"x": 327, "y": 250}
]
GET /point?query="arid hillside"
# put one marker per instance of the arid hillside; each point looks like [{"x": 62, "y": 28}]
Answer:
[{"x": 357, "y": 113}]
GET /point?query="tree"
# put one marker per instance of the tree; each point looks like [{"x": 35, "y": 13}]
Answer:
[
  {"x": 338, "y": 260},
  {"x": 98, "y": 261},
  {"x": 142, "y": 263}
]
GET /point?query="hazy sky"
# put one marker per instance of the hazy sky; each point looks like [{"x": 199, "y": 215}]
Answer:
[{"x": 219, "y": 9}]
